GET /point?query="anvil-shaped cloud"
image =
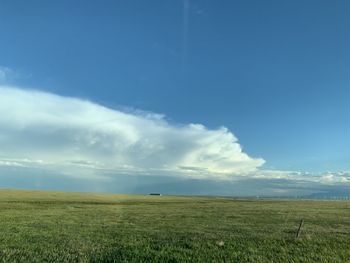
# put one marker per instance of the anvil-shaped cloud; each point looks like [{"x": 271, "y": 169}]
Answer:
[{"x": 41, "y": 129}]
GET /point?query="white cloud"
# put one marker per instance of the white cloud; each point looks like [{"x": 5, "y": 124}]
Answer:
[
  {"x": 39, "y": 129},
  {"x": 327, "y": 178}
]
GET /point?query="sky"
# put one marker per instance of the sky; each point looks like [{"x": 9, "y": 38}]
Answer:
[{"x": 175, "y": 96}]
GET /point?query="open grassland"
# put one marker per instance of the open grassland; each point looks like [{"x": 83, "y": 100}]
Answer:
[{"x": 72, "y": 227}]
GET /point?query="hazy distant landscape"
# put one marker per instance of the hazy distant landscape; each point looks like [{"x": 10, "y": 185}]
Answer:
[{"x": 38, "y": 226}]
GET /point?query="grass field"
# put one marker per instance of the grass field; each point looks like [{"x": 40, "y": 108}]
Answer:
[{"x": 72, "y": 227}]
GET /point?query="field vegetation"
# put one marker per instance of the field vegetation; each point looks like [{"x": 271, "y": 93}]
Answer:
[{"x": 38, "y": 226}]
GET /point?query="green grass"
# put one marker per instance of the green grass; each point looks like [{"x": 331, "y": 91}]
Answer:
[{"x": 72, "y": 227}]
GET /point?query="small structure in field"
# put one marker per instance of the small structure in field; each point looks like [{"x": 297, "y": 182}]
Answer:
[{"x": 156, "y": 194}]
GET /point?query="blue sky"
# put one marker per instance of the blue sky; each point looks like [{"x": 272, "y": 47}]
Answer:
[{"x": 274, "y": 73}]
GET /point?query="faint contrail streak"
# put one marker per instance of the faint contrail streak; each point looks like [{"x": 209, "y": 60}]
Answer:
[{"x": 186, "y": 6}]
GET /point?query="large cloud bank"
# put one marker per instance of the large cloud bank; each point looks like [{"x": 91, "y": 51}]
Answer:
[{"x": 40, "y": 129}]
